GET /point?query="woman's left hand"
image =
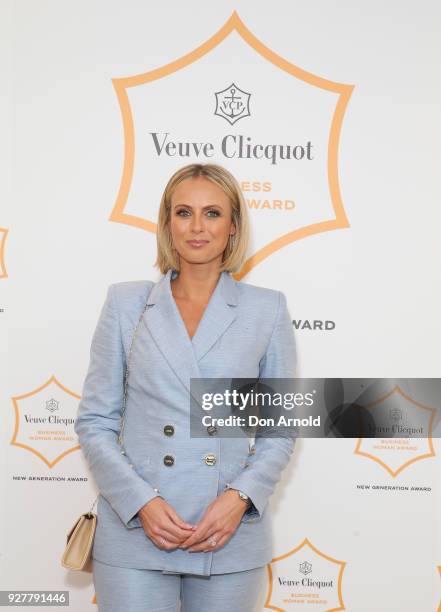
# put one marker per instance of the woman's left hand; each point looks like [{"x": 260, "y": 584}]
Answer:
[{"x": 220, "y": 521}]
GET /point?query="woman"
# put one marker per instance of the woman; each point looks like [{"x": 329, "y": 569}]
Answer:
[{"x": 183, "y": 517}]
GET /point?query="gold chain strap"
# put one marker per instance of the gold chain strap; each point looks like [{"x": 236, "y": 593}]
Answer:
[{"x": 126, "y": 377}]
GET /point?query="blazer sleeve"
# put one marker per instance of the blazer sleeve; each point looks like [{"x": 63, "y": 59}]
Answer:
[
  {"x": 272, "y": 454},
  {"x": 98, "y": 420}
]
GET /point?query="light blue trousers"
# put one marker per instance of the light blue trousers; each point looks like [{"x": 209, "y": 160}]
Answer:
[{"x": 122, "y": 589}]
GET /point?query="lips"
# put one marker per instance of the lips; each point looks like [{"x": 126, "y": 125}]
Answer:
[{"x": 197, "y": 242}]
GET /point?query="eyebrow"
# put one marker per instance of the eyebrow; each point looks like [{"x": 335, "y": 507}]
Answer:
[{"x": 203, "y": 208}]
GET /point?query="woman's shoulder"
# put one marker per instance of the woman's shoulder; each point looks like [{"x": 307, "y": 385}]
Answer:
[
  {"x": 261, "y": 304},
  {"x": 259, "y": 294},
  {"x": 130, "y": 295}
]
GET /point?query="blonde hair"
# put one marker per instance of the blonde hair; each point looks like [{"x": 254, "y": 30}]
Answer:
[{"x": 235, "y": 251}]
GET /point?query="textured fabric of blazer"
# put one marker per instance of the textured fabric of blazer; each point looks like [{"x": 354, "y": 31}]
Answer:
[{"x": 245, "y": 332}]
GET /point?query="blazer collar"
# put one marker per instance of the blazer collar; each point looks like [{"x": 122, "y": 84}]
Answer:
[{"x": 167, "y": 328}]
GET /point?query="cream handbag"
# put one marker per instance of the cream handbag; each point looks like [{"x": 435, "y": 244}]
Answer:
[{"x": 78, "y": 552}]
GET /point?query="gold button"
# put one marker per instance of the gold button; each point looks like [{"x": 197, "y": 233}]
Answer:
[
  {"x": 169, "y": 460},
  {"x": 169, "y": 430},
  {"x": 210, "y": 459}
]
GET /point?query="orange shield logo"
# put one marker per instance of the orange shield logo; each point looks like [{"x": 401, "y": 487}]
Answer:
[
  {"x": 305, "y": 575},
  {"x": 44, "y": 421},
  {"x": 235, "y": 102},
  {"x": 397, "y": 453}
]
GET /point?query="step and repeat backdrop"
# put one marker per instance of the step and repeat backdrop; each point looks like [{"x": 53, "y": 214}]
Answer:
[{"x": 328, "y": 115}]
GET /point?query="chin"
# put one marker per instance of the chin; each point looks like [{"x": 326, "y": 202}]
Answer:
[{"x": 199, "y": 258}]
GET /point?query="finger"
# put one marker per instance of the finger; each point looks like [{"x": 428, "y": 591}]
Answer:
[
  {"x": 207, "y": 544},
  {"x": 172, "y": 531},
  {"x": 177, "y": 520},
  {"x": 200, "y": 533},
  {"x": 198, "y": 536},
  {"x": 202, "y": 542},
  {"x": 163, "y": 543},
  {"x": 164, "y": 540},
  {"x": 219, "y": 542},
  {"x": 169, "y": 538},
  {"x": 164, "y": 528}
]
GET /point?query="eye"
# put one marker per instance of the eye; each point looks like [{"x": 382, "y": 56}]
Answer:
[{"x": 183, "y": 212}]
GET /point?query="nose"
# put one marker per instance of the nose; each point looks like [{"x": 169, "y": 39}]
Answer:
[{"x": 197, "y": 224}]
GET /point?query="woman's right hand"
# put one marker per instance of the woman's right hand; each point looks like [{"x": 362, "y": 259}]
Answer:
[{"x": 161, "y": 522}]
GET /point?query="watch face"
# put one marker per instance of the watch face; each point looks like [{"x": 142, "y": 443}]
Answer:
[{"x": 243, "y": 496}]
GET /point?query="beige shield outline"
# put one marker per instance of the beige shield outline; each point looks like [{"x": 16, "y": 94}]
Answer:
[
  {"x": 121, "y": 85},
  {"x": 439, "y": 570},
  {"x": 3, "y": 235}
]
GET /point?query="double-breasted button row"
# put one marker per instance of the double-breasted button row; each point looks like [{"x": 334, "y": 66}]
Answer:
[
  {"x": 209, "y": 458},
  {"x": 169, "y": 430}
]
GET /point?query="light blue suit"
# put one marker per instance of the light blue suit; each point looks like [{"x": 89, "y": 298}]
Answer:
[{"x": 245, "y": 332}]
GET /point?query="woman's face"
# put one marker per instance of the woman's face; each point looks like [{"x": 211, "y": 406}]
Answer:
[{"x": 200, "y": 220}]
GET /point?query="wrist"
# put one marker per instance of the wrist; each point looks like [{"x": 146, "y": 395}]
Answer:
[{"x": 244, "y": 500}]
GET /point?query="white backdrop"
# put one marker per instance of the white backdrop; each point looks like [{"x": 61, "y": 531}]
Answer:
[{"x": 360, "y": 82}]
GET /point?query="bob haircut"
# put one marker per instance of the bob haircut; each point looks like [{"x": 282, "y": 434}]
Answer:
[{"x": 235, "y": 251}]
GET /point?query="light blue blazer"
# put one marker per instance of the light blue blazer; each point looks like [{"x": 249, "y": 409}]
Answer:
[{"x": 246, "y": 332}]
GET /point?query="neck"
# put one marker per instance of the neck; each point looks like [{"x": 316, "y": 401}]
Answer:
[{"x": 195, "y": 282}]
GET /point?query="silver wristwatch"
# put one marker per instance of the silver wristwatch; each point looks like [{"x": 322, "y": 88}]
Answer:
[{"x": 242, "y": 495}]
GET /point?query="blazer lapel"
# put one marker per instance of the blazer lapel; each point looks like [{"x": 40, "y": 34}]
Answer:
[{"x": 168, "y": 330}]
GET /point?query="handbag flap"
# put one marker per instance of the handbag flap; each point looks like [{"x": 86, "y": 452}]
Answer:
[{"x": 79, "y": 542}]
